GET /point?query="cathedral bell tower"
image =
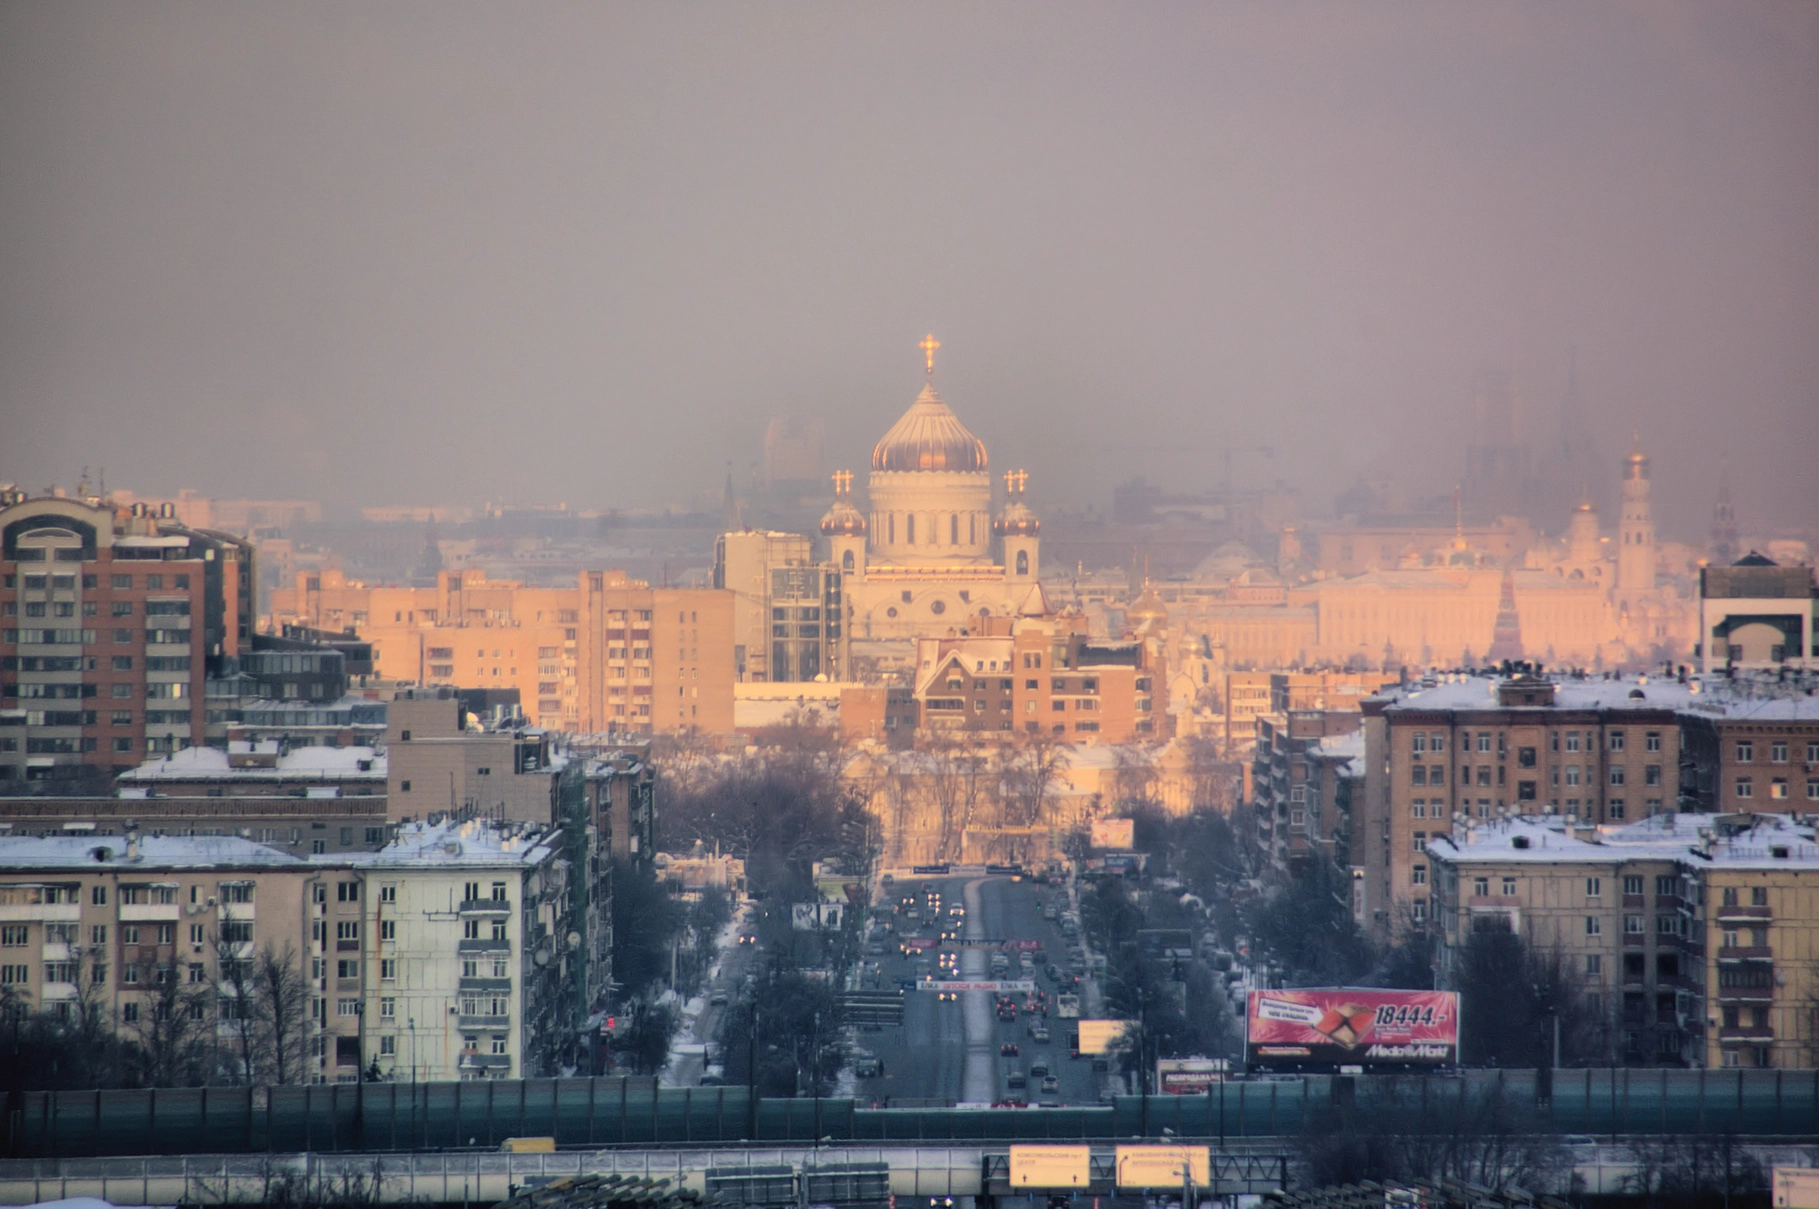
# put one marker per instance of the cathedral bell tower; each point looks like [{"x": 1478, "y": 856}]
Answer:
[
  {"x": 1636, "y": 527},
  {"x": 844, "y": 528},
  {"x": 1018, "y": 528}
]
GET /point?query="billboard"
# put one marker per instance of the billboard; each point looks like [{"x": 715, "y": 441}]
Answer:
[
  {"x": 1051, "y": 1166},
  {"x": 1163, "y": 1166},
  {"x": 1114, "y": 833},
  {"x": 1314, "y": 1026},
  {"x": 1188, "y": 1076},
  {"x": 1796, "y": 1188},
  {"x": 1097, "y": 1036},
  {"x": 813, "y": 917}
]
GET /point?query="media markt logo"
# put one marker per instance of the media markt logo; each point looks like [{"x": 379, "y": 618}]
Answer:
[{"x": 1412, "y": 1050}]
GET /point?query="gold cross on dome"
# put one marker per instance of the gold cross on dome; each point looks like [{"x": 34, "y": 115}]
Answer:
[
  {"x": 928, "y": 346},
  {"x": 843, "y": 483},
  {"x": 1015, "y": 480}
]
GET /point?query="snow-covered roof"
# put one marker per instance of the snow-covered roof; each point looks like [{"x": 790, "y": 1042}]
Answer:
[
  {"x": 1790, "y": 708},
  {"x": 1706, "y": 840},
  {"x": 476, "y": 842},
  {"x": 1468, "y": 692},
  {"x": 300, "y": 763},
  {"x": 24, "y": 853}
]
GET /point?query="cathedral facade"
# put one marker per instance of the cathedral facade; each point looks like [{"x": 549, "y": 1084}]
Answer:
[{"x": 928, "y": 557}]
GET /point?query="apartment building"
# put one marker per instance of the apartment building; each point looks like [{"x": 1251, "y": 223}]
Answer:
[
  {"x": 442, "y": 760},
  {"x": 788, "y": 613},
  {"x": 609, "y": 654},
  {"x": 129, "y": 926},
  {"x": 1759, "y": 924},
  {"x": 111, "y": 621},
  {"x": 1479, "y": 747},
  {"x": 1695, "y": 935},
  {"x": 1042, "y": 674},
  {"x": 1287, "y": 784},
  {"x": 1751, "y": 747},
  {"x": 459, "y": 948},
  {"x": 1613, "y": 903}
]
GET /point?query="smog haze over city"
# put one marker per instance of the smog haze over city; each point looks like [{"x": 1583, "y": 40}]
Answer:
[{"x": 427, "y": 253}]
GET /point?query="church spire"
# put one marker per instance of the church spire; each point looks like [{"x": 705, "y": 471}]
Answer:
[
  {"x": 730, "y": 519},
  {"x": 928, "y": 346}
]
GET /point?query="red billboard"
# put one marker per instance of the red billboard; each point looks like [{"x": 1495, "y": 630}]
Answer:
[{"x": 1344, "y": 1026}]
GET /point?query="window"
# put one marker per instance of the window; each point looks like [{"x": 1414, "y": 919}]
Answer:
[
  {"x": 1633, "y": 925},
  {"x": 1746, "y": 751},
  {"x": 347, "y": 930},
  {"x": 388, "y": 929},
  {"x": 388, "y": 1008},
  {"x": 1632, "y": 884},
  {"x": 388, "y": 1047},
  {"x": 1730, "y": 896},
  {"x": 347, "y": 892},
  {"x": 1616, "y": 774},
  {"x": 1667, "y": 925},
  {"x": 1418, "y": 741},
  {"x": 347, "y": 1007},
  {"x": 1777, "y": 789},
  {"x": 1777, "y": 752},
  {"x": 1667, "y": 886},
  {"x": 388, "y": 967},
  {"x": 1572, "y": 740},
  {"x": 1419, "y": 841},
  {"x": 14, "y": 936},
  {"x": 1481, "y": 887},
  {"x": 1436, "y": 741},
  {"x": 1615, "y": 740},
  {"x": 1594, "y": 886},
  {"x": 388, "y": 893},
  {"x": 470, "y": 929},
  {"x": 1593, "y": 925},
  {"x": 1419, "y": 875},
  {"x": 1614, "y": 808},
  {"x": 1651, "y": 775},
  {"x": 1744, "y": 788},
  {"x": 1418, "y": 775},
  {"x": 1594, "y": 963},
  {"x": 347, "y": 969},
  {"x": 1758, "y": 896},
  {"x": 498, "y": 929},
  {"x": 1509, "y": 887},
  {"x": 1525, "y": 757}
]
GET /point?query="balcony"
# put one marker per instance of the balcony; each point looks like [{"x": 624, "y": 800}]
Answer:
[
  {"x": 141, "y": 913},
  {"x": 1741, "y": 953},
  {"x": 485, "y": 906},
  {"x": 1743, "y": 914},
  {"x": 1746, "y": 1032},
  {"x": 485, "y": 986},
  {"x": 492, "y": 1022},
  {"x": 485, "y": 945}
]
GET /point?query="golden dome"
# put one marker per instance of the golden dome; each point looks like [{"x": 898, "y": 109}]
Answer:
[
  {"x": 1146, "y": 608},
  {"x": 843, "y": 520},
  {"x": 1017, "y": 521},
  {"x": 929, "y": 436}
]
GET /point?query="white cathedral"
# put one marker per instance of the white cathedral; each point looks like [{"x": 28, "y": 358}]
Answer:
[{"x": 930, "y": 557}]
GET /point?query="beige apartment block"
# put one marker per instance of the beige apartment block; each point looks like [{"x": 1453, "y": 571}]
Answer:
[
  {"x": 1482, "y": 747},
  {"x": 118, "y": 924}
]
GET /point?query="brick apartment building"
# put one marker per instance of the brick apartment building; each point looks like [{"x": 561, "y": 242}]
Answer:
[{"x": 111, "y": 623}]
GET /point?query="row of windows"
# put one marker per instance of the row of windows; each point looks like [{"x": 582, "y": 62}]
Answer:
[
  {"x": 120, "y": 583},
  {"x": 1777, "y": 751},
  {"x": 1570, "y": 740},
  {"x": 1777, "y": 788}
]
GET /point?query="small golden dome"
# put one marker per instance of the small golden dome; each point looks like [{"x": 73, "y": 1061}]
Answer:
[{"x": 843, "y": 520}]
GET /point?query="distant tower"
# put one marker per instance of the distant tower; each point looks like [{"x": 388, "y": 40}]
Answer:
[
  {"x": 1506, "y": 635},
  {"x": 1018, "y": 528},
  {"x": 1724, "y": 521},
  {"x": 1582, "y": 535},
  {"x": 1496, "y": 462},
  {"x": 1636, "y": 527},
  {"x": 731, "y": 520}
]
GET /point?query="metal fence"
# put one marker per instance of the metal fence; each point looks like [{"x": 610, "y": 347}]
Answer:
[{"x": 382, "y": 1117}]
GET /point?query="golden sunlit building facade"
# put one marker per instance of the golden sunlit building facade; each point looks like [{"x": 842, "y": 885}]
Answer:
[{"x": 610, "y": 653}]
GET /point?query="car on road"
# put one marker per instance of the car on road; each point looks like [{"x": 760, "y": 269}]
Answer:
[
  {"x": 1015, "y": 1081},
  {"x": 748, "y": 938},
  {"x": 868, "y": 1068},
  {"x": 717, "y": 999},
  {"x": 1050, "y": 1085},
  {"x": 1039, "y": 1034},
  {"x": 1008, "y": 1050}
]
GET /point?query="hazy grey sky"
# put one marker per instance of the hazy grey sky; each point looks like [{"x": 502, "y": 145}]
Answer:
[{"x": 450, "y": 252}]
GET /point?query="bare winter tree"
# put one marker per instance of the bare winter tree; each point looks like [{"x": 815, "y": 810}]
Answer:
[
  {"x": 280, "y": 995},
  {"x": 173, "y": 1028},
  {"x": 237, "y": 1008}
]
